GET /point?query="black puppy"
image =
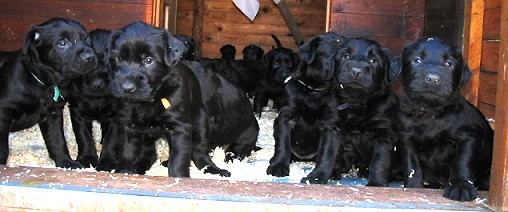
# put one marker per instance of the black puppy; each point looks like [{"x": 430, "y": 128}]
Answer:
[
  {"x": 253, "y": 52},
  {"x": 306, "y": 128},
  {"x": 445, "y": 140},
  {"x": 192, "y": 48},
  {"x": 54, "y": 53},
  {"x": 164, "y": 98},
  {"x": 280, "y": 62},
  {"x": 91, "y": 99},
  {"x": 228, "y": 52},
  {"x": 367, "y": 107}
]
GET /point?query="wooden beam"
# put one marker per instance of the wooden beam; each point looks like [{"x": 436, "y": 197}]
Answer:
[
  {"x": 52, "y": 189},
  {"x": 498, "y": 194},
  {"x": 197, "y": 22},
  {"x": 473, "y": 39},
  {"x": 290, "y": 21}
]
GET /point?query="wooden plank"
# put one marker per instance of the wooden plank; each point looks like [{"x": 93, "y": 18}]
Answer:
[
  {"x": 487, "y": 109},
  {"x": 498, "y": 194},
  {"x": 290, "y": 22},
  {"x": 473, "y": 30},
  {"x": 68, "y": 190},
  {"x": 387, "y": 7},
  {"x": 491, "y": 24},
  {"x": 377, "y": 25},
  {"x": 197, "y": 22},
  {"x": 490, "y": 56},
  {"x": 488, "y": 82}
]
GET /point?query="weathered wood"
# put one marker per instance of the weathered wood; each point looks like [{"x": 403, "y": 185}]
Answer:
[
  {"x": 498, "y": 194},
  {"x": 290, "y": 21},
  {"x": 491, "y": 24},
  {"x": 197, "y": 22},
  {"x": 68, "y": 190},
  {"x": 473, "y": 30},
  {"x": 488, "y": 86},
  {"x": 490, "y": 56}
]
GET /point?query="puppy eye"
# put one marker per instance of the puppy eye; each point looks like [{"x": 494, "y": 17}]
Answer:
[
  {"x": 417, "y": 60},
  {"x": 63, "y": 43},
  {"x": 345, "y": 57},
  {"x": 448, "y": 64},
  {"x": 148, "y": 61},
  {"x": 118, "y": 59},
  {"x": 372, "y": 60}
]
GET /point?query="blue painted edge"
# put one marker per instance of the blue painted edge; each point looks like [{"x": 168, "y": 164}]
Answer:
[{"x": 238, "y": 198}]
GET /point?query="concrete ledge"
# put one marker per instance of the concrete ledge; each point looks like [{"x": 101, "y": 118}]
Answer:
[{"x": 74, "y": 190}]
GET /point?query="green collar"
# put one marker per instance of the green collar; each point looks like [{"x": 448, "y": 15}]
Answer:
[{"x": 56, "y": 90}]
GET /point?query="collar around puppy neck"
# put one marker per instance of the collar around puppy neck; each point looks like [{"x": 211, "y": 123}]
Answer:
[
  {"x": 321, "y": 88},
  {"x": 56, "y": 90}
]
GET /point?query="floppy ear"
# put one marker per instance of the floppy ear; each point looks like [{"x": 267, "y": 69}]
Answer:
[
  {"x": 32, "y": 37},
  {"x": 307, "y": 51},
  {"x": 173, "y": 50},
  {"x": 110, "y": 44},
  {"x": 466, "y": 74}
]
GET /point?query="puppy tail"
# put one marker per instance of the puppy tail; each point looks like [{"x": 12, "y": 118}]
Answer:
[{"x": 277, "y": 41}]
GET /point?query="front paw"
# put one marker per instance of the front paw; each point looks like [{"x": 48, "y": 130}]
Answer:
[
  {"x": 107, "y": 165},
  {"x": 460, "y": 190},
  {"x": 68, "y": 164},
  {"x": 88, "y": 160},
  {"x": 315, "y": 178},
  {"x": 230, "y": 157},
  {"x": 278, "y": 170},
  {"x": 220, "y": 172}
]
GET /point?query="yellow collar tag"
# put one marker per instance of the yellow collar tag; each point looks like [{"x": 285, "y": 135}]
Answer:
[{"x": 165, "y": 103}]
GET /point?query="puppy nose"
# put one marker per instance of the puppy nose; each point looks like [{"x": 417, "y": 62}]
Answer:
[
  {"x": 356, "y": 72},
  {"x": 128, "y": 87},
  {"x": 87, "y": 56},
  {"x": 433, "y": 79}
]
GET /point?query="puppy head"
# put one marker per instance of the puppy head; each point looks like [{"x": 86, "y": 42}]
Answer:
[
  {"x": 58, "y": 50},
  {"x": 253, "y": 52},
  {"x": 280, "y": 63},
  {"x": 228, "y": 52},
  {"x": 192, "y": 48},
  {"x": 96, "y": 82},
  {"x": 317, "y": 56},
  {"x": 433, "y": 70},
  {"x": 142, "y": 58},
  {"x": 362, "y": 65}
]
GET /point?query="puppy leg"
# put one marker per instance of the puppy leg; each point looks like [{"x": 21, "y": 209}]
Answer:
[
  {"x": 87, "y": 153},
  {"x": 279, "y": 163},
  {"x": 201, "y": 148},
  {"x": 460, "y": 184},
  {"x": 52, "y": 132},
  {"x": 128, "y": 157},
  {"x": 244, "y": 146},
  {"x": 112, "y": 138},
  {"x": 413, "y": 176},
  {"x": 329, "y": 146},
  {"x": 380, "y": 165},
  {"x": 260, "y": 101},
  {"x": 147, "y": 155}
]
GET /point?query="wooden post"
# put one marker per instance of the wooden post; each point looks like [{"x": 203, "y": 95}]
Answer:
[
  {"x": 498, "y": 194},
  {"x": 290, "y": 21},
  {"x": 473, "y": 38},
  {"x": 197, "y": 22}
]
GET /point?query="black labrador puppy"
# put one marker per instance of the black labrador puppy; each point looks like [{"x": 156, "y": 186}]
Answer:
[
  {"x": 306, "y": 128},
  {"x": 367, "y": 109},
  {"x": 280, "y": 63},
  {"x": 253, "y": 52},
  {"x": 91, "y": 100},
  {"x": 33, "y": 84},
  {"x": 192, "y": 48},
  {"x": 165, "y": 99},
  {"x": 445, "y": 140}
]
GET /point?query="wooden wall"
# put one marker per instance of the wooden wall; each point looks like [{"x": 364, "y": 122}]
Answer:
[
  {"x": 223, "y": 23},
  {"x": 16, "y": 16},
  {"x": 489, "y": 58},
  {"x": 444, "y": 19},
  {"x": 392, "y": 22}
]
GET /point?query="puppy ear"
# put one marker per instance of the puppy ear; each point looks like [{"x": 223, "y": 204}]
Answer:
[
  {"x": 32, "y": 37},
  {"x": 110, "y": 44},
  {"x": 466, "y": 74},
  {"x": 173, "y": 50},
  {"x": 307, "y": 51}
]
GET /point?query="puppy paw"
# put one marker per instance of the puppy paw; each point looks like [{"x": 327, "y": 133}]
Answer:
[
  {"x": 230, "y": 157},
  {"x": 107, "y": 165},
  {"x": 313, "y": 180},
  {"x": 89, "y": 160},
  {"x": 278, "y": 170},
  {"x": 460, "y": 190},
  {"x": 220, "y": 172},
  {"x": 69, "y": 164}
]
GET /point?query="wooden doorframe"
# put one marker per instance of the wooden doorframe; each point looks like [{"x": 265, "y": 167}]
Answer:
[
  {"x": 472, "y": 46},
  {"x": 498, "y": 193},
  {"x": 164, "y": 13}
]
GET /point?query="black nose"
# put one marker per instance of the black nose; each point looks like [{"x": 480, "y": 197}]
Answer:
[
  {"x": 356, "y": 72},
  {"x": 87, "y": 56},
  {"x": 433, "y": 79},
  {"x": 128, "y": 87}
]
